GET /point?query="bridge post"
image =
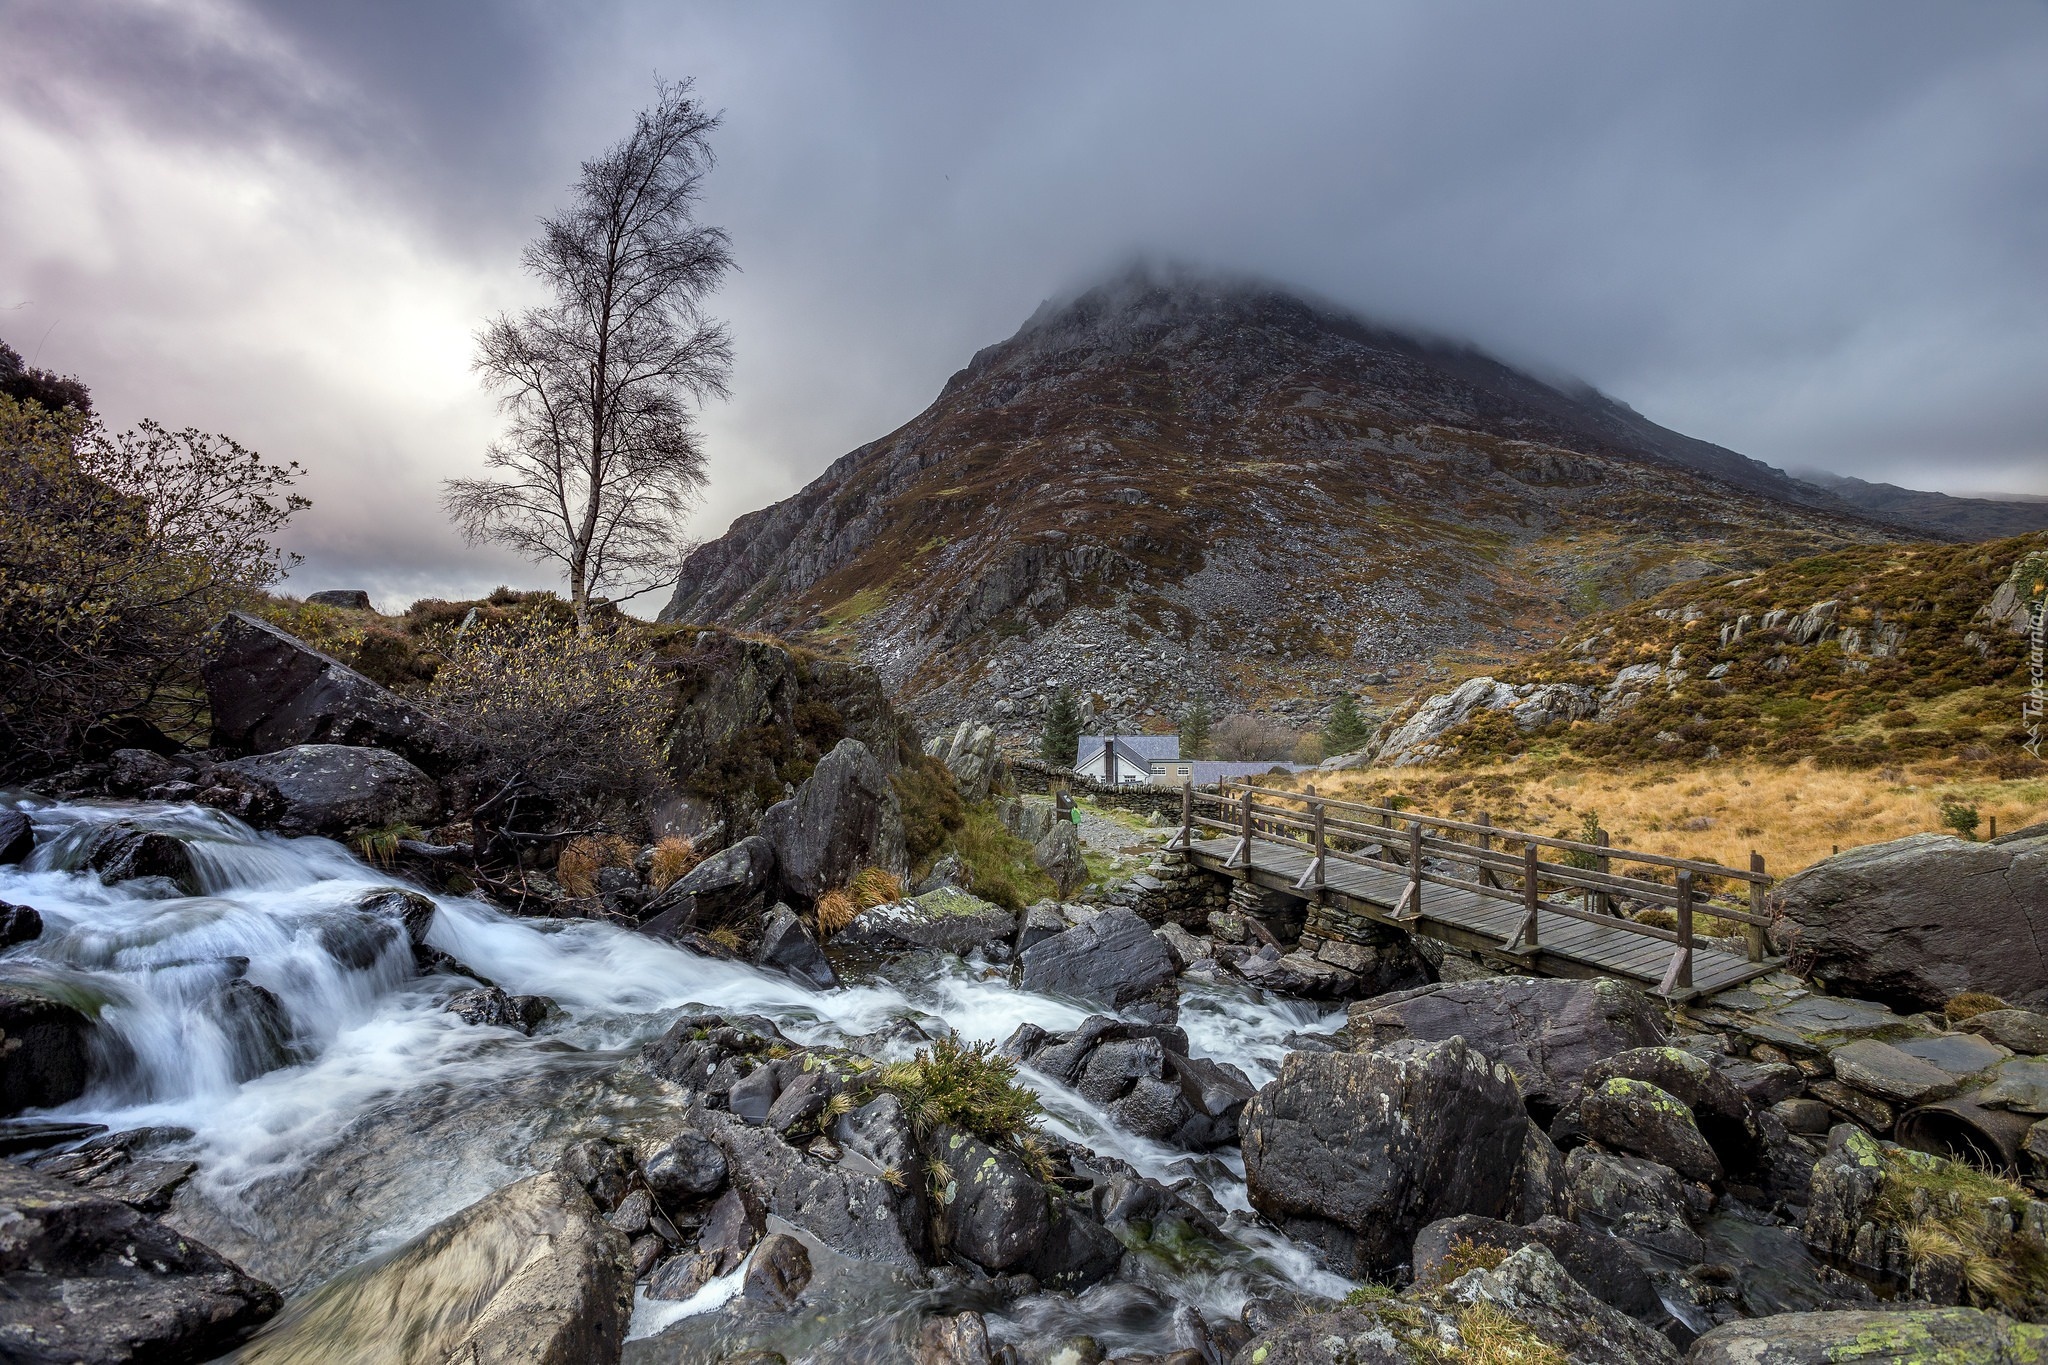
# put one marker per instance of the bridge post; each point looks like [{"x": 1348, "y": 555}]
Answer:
[
  {"x": 1531, "y": 897},
  {"x": 1241, "y": 856},
  {"x": 1486, "y": 877},
  {"x": 1187, "y": 817},
  {"x": 1312, "y": 878},
  {"x": 1679, "y": 977},
  {"x": 1759, "y": 937},
  {"x": 1411, "y": 899},
  {"x": 1601, "y": 863}
]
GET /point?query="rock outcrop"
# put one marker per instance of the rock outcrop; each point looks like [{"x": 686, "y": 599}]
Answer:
[
  {"x": 1356, "y": 1153},
  {"x": 45, "y": 1047},
  {"x": 269, "y": 690},
  {"x": 89, "y": 1281},
  {"x": 844, "y": 817},
  {"x": 337, "y": 789},
  {"x": 1897, "y": 1337},
  {"x": 1114, "y": 959},
  {"x": 531, "y": 1275},
  {"x": 1548, "y": 1033},
  {"x": 1918, "y": 920}
]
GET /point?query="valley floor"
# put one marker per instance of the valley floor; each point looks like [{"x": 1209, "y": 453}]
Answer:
[{"x": 1795, "y": 815}]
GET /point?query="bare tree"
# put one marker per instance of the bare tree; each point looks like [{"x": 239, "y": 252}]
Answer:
[
  {"x": 601, "y": 456},
  {"x": 1248, "y": 738}
]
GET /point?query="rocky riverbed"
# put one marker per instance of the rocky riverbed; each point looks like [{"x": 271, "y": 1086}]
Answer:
[{"x": 273, "y": 1104}]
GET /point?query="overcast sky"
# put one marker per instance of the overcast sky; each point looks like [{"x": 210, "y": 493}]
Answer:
[{"x": 1815, "y": 233}]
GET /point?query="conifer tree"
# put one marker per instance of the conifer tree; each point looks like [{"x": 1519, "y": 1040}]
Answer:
[
  {"x": 1061, "y": 740},
  {"x": 1347, "y": 731},
  {"x": 1195, "y": 723}
]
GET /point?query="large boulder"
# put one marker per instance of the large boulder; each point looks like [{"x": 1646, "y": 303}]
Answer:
[
  {"x": 1635, "y": 1116},
  {"x": 269, "y": 690},
  {"x": 1142, "y": 1075},
  {"x": 337, "y": 789},
  {"x": 849, "y": 1207},
  {"x": 1548, "y": 1033},
  {"x": 1531, "y": 1289},
  {"x": 789, "y": 947},
  {"x": 845, "y": 817},
  {"x": 1061, "y": 857},
  {"x": 1114, "y": 959},
  {"x": 1919, "y": 920},
  {"x": 945, "y": 918},
  {"x": 17, "y": 837},
  {"x": 1357, "y": 1152},
  {"x": 530, "y": 1275},
  {"x": 970, "y": 754},
  {"x": 122, "y": 852},
  {"x": 725, "y": 887},
  {"x": 1605, "y": 1265},
  {"x": 87, "y": 1279},
  {"x": 1725, "y": 1116},
  {"x": 995, "y": 1213},
  {"x": 1872, "y": 1337},
  {"x": 45, "y": 1047}
]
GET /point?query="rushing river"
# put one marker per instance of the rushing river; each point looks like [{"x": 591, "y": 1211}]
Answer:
[{"x": 375, "y": 1113}]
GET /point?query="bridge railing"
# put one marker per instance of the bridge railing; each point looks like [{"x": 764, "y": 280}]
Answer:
[{"x": 1505, "y": 864}]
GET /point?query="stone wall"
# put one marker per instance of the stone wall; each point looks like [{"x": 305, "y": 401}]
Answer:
[{"x": 1039, "y": 778}]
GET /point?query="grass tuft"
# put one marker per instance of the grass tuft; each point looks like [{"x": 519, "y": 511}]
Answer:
[
  {"x": 674, "y": 857},
  {"x": 1970, "y": 1004},
  {"x": 873, "y": 886},
  {"x": 836, "y": 910},
  {"x": 969, "y": 1086}
]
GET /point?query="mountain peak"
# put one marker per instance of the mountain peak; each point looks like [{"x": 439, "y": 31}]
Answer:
[{"x": 1182, "y": 483}]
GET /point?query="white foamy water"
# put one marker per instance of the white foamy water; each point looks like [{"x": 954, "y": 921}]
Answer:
[{"x": 363, "y": 1035}]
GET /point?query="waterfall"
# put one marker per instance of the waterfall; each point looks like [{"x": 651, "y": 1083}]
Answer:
[{"x": 335, "y": 1107}]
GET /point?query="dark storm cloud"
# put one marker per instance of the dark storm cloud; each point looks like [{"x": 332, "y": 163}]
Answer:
[{"x": 1818, "y": 234}]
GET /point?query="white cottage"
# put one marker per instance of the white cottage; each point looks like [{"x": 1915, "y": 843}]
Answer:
[{"x": 1131, "y": 760}]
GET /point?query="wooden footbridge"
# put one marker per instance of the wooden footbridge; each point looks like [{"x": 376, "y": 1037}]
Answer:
[{"x": 1354, "y": 863}]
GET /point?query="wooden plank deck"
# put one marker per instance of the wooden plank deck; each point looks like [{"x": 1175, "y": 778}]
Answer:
[{"x": 1465, "y": 919}]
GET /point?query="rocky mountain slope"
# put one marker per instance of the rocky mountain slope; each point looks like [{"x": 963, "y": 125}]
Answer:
[
  {"x": 1179, "y": 485},
  {"x": 1937, "y": 513},
  {"x": 1872, "y": 656}
]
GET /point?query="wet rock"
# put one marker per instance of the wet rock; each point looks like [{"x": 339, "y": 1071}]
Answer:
[
  {"x": 1604, "y": 1265},
  {"x": 1143, "y": 1074},
  {"x": 789, "y": 947},
  {"x": 1725, "y": 1116},
  {"x": 684, "y": 1167},
  {"x": 799, "y": 1103},
  {"x": 1355, "y": 1153},
  {"x": 108, "y": 1164},
  {"x": 1804, "y": 1116},
  {"x": 600, "y": 1167},
  {"x": 88, "y": 1279},
  {"x": 946, "y": 918},
  {"x": 995, "y": 1213},
  {"x": 1533, "y": 1289},
  {"x": 409, "y": 908},
  {"x": 335, "y": 789},
  {"x": 122, "y": 853},
  {"x": 1918, "y": 920},
  {"x": 1636, "y": 1200},
  {"x": 530, "y": 1274},
  {"x": 1635, "y": 1116},
  {"x": 1548, "y": 1033},
  {"x": 2023, "y": 1031},
  {"x": 1880, "y": 1069},
  {"x": 779, "y": 1272},
  {"x": 632, "y": 1214},
  {"x": 852, "y": 1211},
  {"x": 268, "y": 690},
  {"x": 1897, "y": 1337},
  {"x": 1113, "y": 959},
  {"x": 839, "y": 821},
  {"x": 958, "y": 1340},
  {"x": 17, "y": 837},
  {"x": 1342, "y": 1336},
  {"x": 1539, "y": 1182},
  {"x": 879, "y": 1134},
  {"x": 724, "y": 888},
  {"x": 1183, "y": 947},
  {"x": 490, "y": 1007},
  {"x": 19, "y": 924},
  {"x": 728, "y": 1234},
  {"x": 45, "y": 1048},
  {"x": 1039, "y": 923},
  {"x": 257, "y": 1025}
]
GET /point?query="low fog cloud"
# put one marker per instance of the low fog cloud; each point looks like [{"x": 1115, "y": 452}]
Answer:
[{"x": 1816, "y": 234}]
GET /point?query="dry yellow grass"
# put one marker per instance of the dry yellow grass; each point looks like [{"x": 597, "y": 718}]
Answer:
[
  {"x": 673, "y": 859},
  {"x": 1795, "y": 815},
  {"x": 583, "y": 857},
  {"x": 873, "y": 886},
  {"x": 836, "y": 910}
]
